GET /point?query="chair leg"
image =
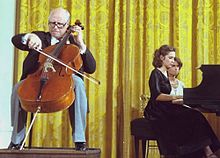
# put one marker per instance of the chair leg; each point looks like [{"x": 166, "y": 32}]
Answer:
[
  {"x": 136, "y": 143},
  {"x": 144, "y": 148}
]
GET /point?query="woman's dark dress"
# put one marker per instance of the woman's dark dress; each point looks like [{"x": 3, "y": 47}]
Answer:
[{"x": 176, "y": 125}]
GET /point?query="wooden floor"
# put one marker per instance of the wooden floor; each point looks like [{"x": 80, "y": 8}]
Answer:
[{"x": 50, "y": 153}]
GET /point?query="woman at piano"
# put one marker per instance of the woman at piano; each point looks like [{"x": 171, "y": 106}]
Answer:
[{"x": 180, "y": 130}]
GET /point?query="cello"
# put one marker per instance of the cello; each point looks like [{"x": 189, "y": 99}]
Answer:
[{"x": 50, "y": 88}]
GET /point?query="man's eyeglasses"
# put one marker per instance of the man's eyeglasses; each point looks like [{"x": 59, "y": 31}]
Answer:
[{"x": 58, "y": 24}]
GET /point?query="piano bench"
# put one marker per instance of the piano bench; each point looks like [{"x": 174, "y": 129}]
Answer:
[{"x": 142, "y": 130}]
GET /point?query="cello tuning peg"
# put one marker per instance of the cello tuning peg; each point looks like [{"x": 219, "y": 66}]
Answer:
[{"x": 77, "y": 22}]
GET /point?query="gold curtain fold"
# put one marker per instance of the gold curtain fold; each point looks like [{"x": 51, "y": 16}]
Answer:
[{"x": 123, "y": 35}]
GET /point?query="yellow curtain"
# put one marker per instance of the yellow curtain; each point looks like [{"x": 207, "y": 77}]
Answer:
[{"x": 122, "y": 35}]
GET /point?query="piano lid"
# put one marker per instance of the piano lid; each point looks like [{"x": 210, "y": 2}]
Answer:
[{"x": 207, "y": 93}]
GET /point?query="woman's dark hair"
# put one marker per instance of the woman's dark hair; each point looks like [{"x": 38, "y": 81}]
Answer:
[
  {"x": 163, "y": 50},
  {"x": 179, "y": 62}
]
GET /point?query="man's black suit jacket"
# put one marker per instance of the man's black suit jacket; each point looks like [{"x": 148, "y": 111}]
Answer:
[{"x": 31, "y": 64}]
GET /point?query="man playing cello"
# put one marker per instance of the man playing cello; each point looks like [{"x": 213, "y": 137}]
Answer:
[{"x": 58, "y": 23}]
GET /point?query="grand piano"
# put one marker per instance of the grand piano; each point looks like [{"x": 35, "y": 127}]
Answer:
[{"x": 206, "y": 96}]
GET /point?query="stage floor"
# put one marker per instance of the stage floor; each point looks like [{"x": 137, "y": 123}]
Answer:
[{"x": 50, "y": 153}]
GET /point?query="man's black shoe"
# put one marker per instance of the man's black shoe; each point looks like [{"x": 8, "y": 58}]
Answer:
[
  {"x": 13, "y": 146},
  {"x": 81, "y": 146}
]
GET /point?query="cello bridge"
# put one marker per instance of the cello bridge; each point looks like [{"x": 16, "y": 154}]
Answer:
[{"x": 48, "y": 66}]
